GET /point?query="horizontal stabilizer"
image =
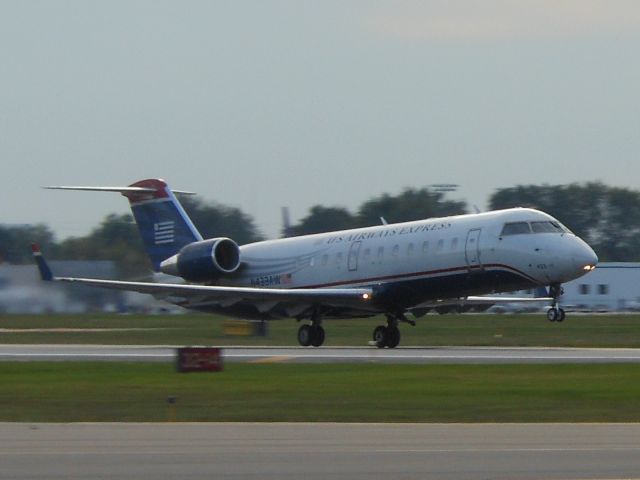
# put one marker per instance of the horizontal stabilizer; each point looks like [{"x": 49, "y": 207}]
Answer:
[
  {"x": 114, "y": 189},
  {"x": 163, "y": 223}
]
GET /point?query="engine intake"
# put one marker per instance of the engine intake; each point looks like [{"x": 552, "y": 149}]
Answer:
[{"x": 204, "y": 261}]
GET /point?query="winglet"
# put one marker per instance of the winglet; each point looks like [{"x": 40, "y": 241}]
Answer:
[{"x": 43, "y": 267}]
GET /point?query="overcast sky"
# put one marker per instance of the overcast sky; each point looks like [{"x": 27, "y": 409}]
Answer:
[{"x": 269, "y": 103}]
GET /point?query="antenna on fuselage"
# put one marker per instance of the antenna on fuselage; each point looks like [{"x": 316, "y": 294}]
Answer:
[{"x": 287, "y": 231}]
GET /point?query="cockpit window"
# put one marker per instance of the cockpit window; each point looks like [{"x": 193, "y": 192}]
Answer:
[
  {"x": 515, "y": 228},
  {"x": 562, "y": 228},
  {"x": 547, "y": 227}
]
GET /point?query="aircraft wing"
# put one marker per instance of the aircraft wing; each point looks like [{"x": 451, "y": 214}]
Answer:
[
  {"x": 495, "y": 300},
  {"x": 338, "y": 297},
  {"x": 477, "y": 301},
  {"x": 328, "y": 296}
]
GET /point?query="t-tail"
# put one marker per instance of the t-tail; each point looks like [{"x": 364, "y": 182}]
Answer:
[{"x": 164, "y": 225}]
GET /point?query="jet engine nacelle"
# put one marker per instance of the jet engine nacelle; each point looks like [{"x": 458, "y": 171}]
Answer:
[{"x": 204, "y": 261}]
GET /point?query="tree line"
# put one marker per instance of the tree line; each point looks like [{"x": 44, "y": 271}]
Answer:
[{"x": 608, "y": 218}]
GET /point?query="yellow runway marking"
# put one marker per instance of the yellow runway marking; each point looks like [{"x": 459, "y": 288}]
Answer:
[{"x": 273, "y": 359}]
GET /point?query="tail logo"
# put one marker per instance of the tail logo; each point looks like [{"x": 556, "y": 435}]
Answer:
[{"x": 164, "y": 232}]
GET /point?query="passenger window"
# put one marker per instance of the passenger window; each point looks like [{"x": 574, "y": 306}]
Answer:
[
  {"x": 380, "y": 254},
  {"x": 396, "y": 250},
  {"x": 515, "y": 228},
  {"x": 440, "y": 245},
  {"x": 339, "y": 258},
  {"x": 454, "y": 244},
  {"x": 410, "y": 250},
  {"x": 425, "y": 247}
]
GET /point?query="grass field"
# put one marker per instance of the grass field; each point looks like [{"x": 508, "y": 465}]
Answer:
[
  {"x": 490, "y": 330},
  {"x": 87, "y": 392}
]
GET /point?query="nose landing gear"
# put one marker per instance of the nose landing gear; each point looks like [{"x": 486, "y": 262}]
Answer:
[{"x": 555, "y": 313}]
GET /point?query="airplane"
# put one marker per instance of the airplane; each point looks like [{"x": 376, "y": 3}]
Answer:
[{"x": 390, "y": 269}]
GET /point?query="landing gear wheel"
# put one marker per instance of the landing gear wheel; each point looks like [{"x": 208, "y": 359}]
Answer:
[
  {"x": 317, "y": 335},
  {"x": 392, "y": 337},
  {"x": 553, "y": 314},
  {"x": 380, "y": 336},
  {"x": 305, "y": 335},
  {"x": 561, "y": 315}
]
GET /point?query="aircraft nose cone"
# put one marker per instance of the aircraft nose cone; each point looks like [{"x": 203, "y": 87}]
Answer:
[{"x": 584, "y": 258}]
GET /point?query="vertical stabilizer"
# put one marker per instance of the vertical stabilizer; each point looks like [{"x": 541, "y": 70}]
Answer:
[{"x": 164, "y": 225}]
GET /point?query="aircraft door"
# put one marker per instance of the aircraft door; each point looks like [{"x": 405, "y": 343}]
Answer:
[
  {"x": 354, "y": 251},
  {"x": 472, "y": 249}
]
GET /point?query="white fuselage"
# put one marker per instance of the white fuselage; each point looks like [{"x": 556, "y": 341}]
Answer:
[{"x": 423, "y": 260}]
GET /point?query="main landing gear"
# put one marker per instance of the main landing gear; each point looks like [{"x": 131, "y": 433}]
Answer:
[
  {"x": 312, "y": 334},
  {"x": 389, "y": 335},
  {"x": 555, "y": 313}
]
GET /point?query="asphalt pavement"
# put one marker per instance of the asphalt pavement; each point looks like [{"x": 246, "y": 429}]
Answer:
[
  {"x": 320, "y": 451},
  {"x": 469, "y": 355}
]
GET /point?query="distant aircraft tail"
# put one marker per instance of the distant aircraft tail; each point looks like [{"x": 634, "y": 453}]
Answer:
[{"x": 164, "y": 225}]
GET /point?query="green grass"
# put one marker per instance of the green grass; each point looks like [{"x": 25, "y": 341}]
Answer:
[
  {"x": 432, "y": 330},
  {"x": 88, "y": 392}
]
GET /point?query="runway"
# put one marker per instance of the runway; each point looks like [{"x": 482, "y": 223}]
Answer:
[
  {"x": 320, "y": 451},
  {"x": 468, "y": 355}
]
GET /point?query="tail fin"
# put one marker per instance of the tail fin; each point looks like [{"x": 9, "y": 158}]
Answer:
[{"x": 164, "y": 225}]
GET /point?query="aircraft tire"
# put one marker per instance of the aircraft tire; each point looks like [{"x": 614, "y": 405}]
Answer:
[
  {"x": 317, "y": 335},
  {"x": 553, "y": 314},
  {"x": 304, "y": 335},
  {"x": 380, "y": 336},
  {"x": 392, "y": 337},
  {"x": 561, "y": 315}
]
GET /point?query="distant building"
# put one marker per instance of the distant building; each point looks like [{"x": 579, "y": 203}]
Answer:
[
  {"x": 22, "y": 291},
  {"x": 612, "y": 286}
]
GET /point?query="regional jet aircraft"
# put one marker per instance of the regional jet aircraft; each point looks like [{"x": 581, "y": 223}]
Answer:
[{"x": 390, "y": 269}]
